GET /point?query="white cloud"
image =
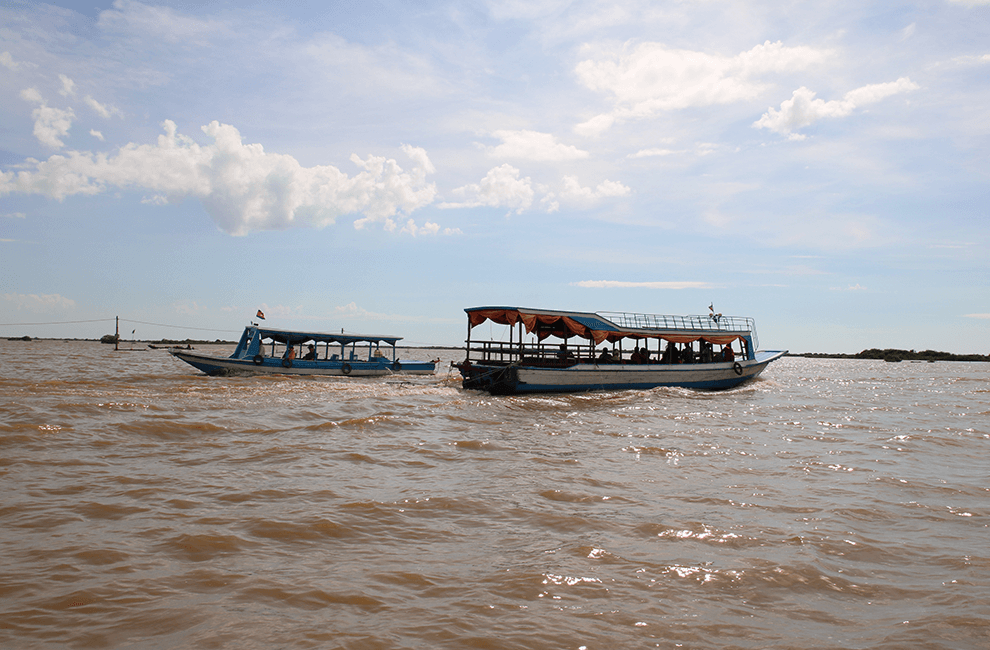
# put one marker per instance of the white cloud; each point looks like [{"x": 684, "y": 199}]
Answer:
[
  {"x": 649, "y": 153},
  {"x": 37, "y": 303},
  {"x": 68, "y": 86},
  {"x": 96, "y": 134},
  {"x": 573, "y": 192},
  {"x": 243, "y": 187},
  {"x": 159, "y": 23},
  {"x": 15, "y": 215},
  {"x": 50, "y": 124},
  {"x": 429, "y": 228},
  {"x": 8, "y": 62},
  {"x": 501, "y": 187},
  {"x": 32, "y": 95},
  {"x": 802, "y": 109},
  {"x": 532, "y": 145},
  {"x": 652, "y": 78},
  {"x": 102, "y": 110},
  {"x": 980, "y": 316},
  {"x": 619, "y": 284}
]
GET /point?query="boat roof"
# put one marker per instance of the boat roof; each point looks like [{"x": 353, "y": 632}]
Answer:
[
  {"x": 612, "y": 326},
  {"x": 296, "y": 337}
]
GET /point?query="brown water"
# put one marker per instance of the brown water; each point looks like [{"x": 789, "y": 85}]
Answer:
[{"x": 830, "y": 504}]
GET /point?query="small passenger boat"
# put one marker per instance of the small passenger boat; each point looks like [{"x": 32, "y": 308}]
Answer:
[
  {"x": 264, "y": 350},
  {"x": 676, "y": 351}
]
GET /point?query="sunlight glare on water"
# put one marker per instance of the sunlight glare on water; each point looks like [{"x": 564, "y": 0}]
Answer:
[{"x": 829, "y": 504}]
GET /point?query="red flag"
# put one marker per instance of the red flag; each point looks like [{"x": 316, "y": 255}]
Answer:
[{"x": 261, "y": 314}]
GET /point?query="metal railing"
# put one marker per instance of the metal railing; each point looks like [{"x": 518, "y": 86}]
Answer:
[{"x": 710, "y": 323}]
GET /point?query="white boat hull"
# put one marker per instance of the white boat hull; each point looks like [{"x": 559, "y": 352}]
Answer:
[{"x": 513, "y": 379}]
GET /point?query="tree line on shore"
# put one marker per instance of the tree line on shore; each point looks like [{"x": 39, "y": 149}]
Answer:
[{"x": 894, "y": 355}]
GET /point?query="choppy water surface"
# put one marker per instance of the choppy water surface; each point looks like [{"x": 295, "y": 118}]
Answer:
[{"x": 830, "y": 504}]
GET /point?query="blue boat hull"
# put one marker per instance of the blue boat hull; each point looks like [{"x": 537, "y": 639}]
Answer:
[{"x": 276, "y": 366}]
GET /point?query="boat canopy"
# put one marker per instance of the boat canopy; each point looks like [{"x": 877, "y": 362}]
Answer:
[
  {"x": 292, "y": 337},
  {"x": 716, "y": 329}
]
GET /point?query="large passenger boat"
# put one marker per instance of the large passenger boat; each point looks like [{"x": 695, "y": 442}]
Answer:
[
  {"x": 640, "y": 351},
  {"x": 286, "y": 352}
]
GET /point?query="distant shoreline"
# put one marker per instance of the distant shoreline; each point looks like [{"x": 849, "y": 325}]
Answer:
[
  {"x": 894, "y": 355},
  {"x": 886, "y": 354}
]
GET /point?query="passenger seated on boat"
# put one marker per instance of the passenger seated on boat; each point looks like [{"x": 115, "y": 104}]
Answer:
[
  {"x": 669, "y": 353},
  {"x": 644, "y": 355},
  {"x": 636, "y": 356},
  {"x": 564, "y": 353},
  {"x": 311, "y": 355},
  {"x": 707, "y": 354},
  {"x": 687, "y": 354},
  {"x": 290, "y": 353},
  {"x": 727, "y": 353},
  {"x": 605, "y": 356}
]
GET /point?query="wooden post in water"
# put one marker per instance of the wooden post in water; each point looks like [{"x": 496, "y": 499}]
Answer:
[{"x": 116, "y": 336}]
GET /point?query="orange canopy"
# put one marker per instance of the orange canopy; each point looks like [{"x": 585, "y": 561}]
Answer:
[{"x": 588, "y": 326}]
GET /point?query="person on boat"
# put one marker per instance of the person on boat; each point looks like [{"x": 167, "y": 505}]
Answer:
[
  {"x": 636, "y": 356},
  {"x": 290, "y": 353},
  {"x": 707, "y": 353},
  {"x": 644, "y": 355},
  {"x": 564, "y": 353},
  {"x": 687, "y": 354},
  {"x": 669, "y": 353},
  {"x": 727, "y": 353},
  {"x": 605, "y": 356},
  {"x": 311, "y": 355}
]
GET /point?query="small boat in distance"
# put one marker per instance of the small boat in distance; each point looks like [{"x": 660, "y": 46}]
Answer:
[
  {"x": 676, "y": 351},
  {"x": 263, "y": 350}
]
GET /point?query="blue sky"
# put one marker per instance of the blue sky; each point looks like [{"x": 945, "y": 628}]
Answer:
[{"x": 379, "y": 166}]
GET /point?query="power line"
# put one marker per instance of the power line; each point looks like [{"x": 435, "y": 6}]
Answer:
[
  {"x": 124, "y": 320},
  {"x": 60, "y": 322},
  {"x": 181, "y": 327}
]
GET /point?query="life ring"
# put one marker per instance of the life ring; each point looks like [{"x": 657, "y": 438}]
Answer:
[
  {"x": 396, "y": 366},
  {"x": 346, "y": 368},
  {"x": 258, "y": 359},
  {"x": 286, "y": 363},
  {"x": 737, "y": 368}
]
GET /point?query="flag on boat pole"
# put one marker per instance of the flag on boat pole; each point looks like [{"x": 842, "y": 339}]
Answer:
[{"x": 261, "y": 314}]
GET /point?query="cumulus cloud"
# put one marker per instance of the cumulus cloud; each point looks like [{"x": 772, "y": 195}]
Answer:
[
  {"x": 574, "y": 192},
  {"x": 429, "y": 228},
  {"x": 96, "y": 134},
  {"x": 620, "y": 284},
  {"x": 8, "y": 62},
  {"x": 68, "y": 86},
  {"x": 243, "y": 187},
  {"x": 50, "y": 124},
  {"x": 802, "y": 109},
  {"x": 533, "y": 145},
  {"x": 37, "y": 303},
  {"x": 652, "y": 78},
  {"x": 500, "y": 188},
  {"x": 15, "y": 215},
  {"x": 32, "y": 95}
]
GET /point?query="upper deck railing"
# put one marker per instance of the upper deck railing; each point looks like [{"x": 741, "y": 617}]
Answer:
[
  {"x": 662, "y": 322},
  {"x": 709, "y": 323}
]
